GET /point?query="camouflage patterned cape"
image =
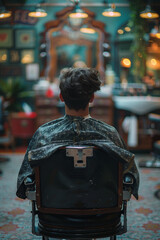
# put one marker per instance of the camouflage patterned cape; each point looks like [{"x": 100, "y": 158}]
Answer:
[{"x": 71, "y": 130}]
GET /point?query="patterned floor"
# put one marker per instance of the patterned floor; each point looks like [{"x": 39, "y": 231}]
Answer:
[{"x": 15, "y": 216}]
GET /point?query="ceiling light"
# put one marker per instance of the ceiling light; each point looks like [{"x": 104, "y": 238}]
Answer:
[
  {"x": 78, "y": 12},
  {"x": 39, "y": 12},
  {"x": 87, "y": 30},
  {"x": 148, "y": 13},
  {"x": 110, "y": 12},
  {"x": 4, "y": 13}
]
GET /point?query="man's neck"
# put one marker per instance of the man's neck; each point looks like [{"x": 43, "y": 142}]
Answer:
[{"x": 79, "y": 113}]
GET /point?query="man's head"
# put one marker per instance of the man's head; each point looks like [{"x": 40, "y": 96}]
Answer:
[{"x": 77, "y": 86}]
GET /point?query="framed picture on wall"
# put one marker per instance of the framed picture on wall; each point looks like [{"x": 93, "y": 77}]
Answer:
[
  {"x": 27, "y": 56},
  {"x": 25, "y": 38},
  {"x": 32, "y": 71},
  {"x": 3, "y": 55},
  {"x": 6, "y": 37},
  {"x": 14, "y": 56}
]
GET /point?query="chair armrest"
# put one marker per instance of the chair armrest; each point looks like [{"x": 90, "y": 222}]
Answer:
[
  {"x": 31, "y": 195},
  {"x": 30, "y": 188},
  {"x": 128, "y": 182},
  {"x": 28, "y": 181}
]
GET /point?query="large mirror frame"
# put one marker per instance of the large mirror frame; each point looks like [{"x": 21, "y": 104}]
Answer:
[{"x": 52, "y": 42}]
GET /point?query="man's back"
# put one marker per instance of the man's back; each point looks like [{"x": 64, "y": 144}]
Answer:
[
  {"x": 77, "y": 88},
  {"x": 71, "y": 130}
]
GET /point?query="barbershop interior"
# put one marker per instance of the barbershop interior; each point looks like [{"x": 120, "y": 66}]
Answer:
[{"x": 120, "y": 39}]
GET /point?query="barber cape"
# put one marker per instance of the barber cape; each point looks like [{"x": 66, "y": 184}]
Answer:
[{"x": 71, "y": 130}]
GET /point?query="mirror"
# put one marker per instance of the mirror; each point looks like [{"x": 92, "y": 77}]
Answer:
[
  {"x": 68, "y": 45},
  {"x": 123, "y": 44},
  {"x": 146, "y": 53}
]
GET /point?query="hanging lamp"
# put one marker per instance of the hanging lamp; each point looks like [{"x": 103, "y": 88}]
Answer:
[
  {"x": 148, "y": 13},
  {"x": 87, "y": 29},
  {"x": 110, "y": 12},
  {"x": 78, "y": 12},
  {"x": 39, "y": 12},
  {"x": 5, "y": 13}
]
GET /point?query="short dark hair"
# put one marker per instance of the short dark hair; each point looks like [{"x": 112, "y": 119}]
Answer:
[{"x": 77, "y": 86}]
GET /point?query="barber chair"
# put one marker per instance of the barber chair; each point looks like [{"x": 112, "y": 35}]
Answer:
[
  {"x": 79, "y": 193},
  {"x": 6, "y": 138}
]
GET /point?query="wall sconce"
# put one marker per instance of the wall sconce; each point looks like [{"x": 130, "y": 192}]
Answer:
[
  {"x": 153, "y": 63},
  {"x": 5, "y": 13},
  {"x": 78, "y": 12},
  {"x": 155, "y": 32},
  {"x": 148, "y": 13},
  {"x": 106, "y": 45},
  {"x": 126, "y": 62},
  {"x": 39, "y": 12},
  {"x": 106, "y": 54},
  {"x": 127, "y": 29},
  {"x": 110, "y": 12},
  {"x": 120, "y": 31}
]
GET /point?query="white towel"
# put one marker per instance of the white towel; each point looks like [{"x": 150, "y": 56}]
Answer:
[{"x": 130, "y": 126}]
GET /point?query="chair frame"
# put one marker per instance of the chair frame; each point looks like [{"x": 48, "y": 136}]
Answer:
[{"x": 124, "y": 195}]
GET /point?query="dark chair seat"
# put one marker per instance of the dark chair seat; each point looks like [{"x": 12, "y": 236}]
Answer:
[
  {"x": 155, "y": 133},
  {"x": 67, "y": 226},
  {"x": 156, "y": 149},
  {"x": 154, "y": 117},
  {"x": 157, "y": 146}
]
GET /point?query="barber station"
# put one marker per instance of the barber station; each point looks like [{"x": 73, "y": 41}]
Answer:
[{"x": 79, "y": 120}]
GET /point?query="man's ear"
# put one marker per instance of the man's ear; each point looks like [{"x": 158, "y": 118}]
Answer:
[
  {"x": 61, "y": 98},
  {"x": 92, "y": 98}
]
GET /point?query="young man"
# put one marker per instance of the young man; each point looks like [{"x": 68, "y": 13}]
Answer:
[{"x": 77, "y": 87}]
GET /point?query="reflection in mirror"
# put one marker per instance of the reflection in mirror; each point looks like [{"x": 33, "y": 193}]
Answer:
[
  {"x": 72, "y": 49},
  {"x": 74, "y": 45},
  {"x": 153, "y": 61},
  {"x": 125, "y": 57},
  {"x": 137, "y": 64}
]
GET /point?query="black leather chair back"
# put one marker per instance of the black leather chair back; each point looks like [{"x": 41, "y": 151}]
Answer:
[{"x": 84, "y": 181}]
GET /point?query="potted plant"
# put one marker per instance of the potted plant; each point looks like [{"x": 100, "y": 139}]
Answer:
[{"x": 14, "y": 94}]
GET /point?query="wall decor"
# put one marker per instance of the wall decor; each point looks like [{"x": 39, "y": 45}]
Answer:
[
  {"x": 19, "y": 16},
  {"x": 32, "y": 71},
  {"x": 10, "y": 70},
  {"x": 25, "y": 38},
  {"x": 3, "y": 55},
  {"x": 27, "y": 56},
  {"x": 6, "y": 37},
  {"x": 14, "y": 56}
]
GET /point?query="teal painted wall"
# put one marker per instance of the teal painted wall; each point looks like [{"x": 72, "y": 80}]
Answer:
[{"x": 112, "y": 24}]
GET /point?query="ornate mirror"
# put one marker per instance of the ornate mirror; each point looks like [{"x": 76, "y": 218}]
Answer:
[{"x": 73, "y": 43}]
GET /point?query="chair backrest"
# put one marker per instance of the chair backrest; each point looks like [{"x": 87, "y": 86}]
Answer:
[{"x": 79, "y": 180}]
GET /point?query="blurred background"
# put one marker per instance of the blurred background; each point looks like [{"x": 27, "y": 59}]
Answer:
[{"x": 121, "y": 39}]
